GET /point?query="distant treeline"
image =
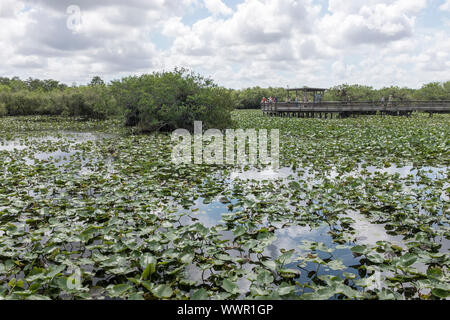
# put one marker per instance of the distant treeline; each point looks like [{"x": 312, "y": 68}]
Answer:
[
  {"x": 170, "y": 100},
  {"x": 251, "y": 98},
  {"x": 49, "y": 97}
]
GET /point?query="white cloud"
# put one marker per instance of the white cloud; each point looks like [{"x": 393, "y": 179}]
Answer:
[
  {"x": 445, "y": 6},
  {"x": 174, "y": 27},
  {"x": 374, "y": 21},
  {"x": 9, "y": 8},
  {"x": 259, "y": 42},
  {"x": 217, "y": 7}
]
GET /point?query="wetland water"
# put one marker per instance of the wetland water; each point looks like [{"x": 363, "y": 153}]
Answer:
[
  {"x": 111, "y": 206},
  {"x": 292, "y": 237}
]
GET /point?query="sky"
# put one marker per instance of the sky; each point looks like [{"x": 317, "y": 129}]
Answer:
[{"x": 238, "y": 43}]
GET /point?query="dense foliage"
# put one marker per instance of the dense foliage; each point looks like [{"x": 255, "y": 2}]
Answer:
[
  {"x": 152, "y": 102},
  {"x": 171, "y": 100},
  {"x": 92, "y": 101},
  {"x": 31, "y": 84},
  {"x": 251, "y": 98},
  {"x": 430, "y": 91}
]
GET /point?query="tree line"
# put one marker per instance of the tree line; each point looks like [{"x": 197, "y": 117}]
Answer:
[
  {"x": 160, "y": 101},
  {"x": 250, "y": 98},
  {"x": 164, "y": 101},
  {"x": 49, "y": 97}
]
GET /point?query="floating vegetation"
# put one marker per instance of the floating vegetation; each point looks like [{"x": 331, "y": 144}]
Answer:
[{"x": 359, "y": 210}]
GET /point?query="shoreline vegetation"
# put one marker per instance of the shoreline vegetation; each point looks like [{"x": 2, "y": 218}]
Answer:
[{"x": 170, "y": 100}]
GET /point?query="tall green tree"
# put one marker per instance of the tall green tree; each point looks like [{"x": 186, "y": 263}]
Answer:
[{"x": 170, "y": 100}]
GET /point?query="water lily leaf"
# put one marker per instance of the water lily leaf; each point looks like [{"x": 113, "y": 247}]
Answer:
[
  {"x": 289, "y": 273},
  {"x": 239, "y": 231},
  {"x": 359, "y": 249},
  {"x": 336, "y": 265},
  {"x": 285, "y": 289},
  {"x": 375, "y": 258},
  {"x": 148, "y": 262},
  {"x": 435, "y": 273},
  {"x": 162, "y": 291},
  {"x": 408, "y": 259},
  {"x": 118, "y": 290},
  {"x": 230, "y": 287},
  {"x": 285, "y": 257},
  {"x": 272, "y": 265},
  {"x": 265, "y": 277},
  {"x": 136, "y": 296},
  {"x": 348, "y": 275},
  {"x": 38, "y": 297},
  {"x": 200, "y": 294},
  {"x": 88, "y": 234},
  {"x": 440, "y": 293},
  {"x": 187, "y": 258}
]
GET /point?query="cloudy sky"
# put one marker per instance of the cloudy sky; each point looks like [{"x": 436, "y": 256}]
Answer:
[{"x": 240, "y": 43}]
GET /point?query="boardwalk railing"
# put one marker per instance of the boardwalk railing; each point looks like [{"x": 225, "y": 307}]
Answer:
[{"x": 303, "y": 109}]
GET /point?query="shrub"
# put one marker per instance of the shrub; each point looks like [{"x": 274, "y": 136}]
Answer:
[
  {"x": 90, "y": 102},
  {"x": 24, "y": 102},
  {"x": 97, "y": 103},
  {"x": 251, "y": 98},
  {"x": 170, "y": 100},
  {"x": 434, "y": 91},
  {"x": 3, "y": 110}
]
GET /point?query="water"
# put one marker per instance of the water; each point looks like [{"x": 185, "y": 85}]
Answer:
[
  {"x": 69, "y": 137},
  {"x": 315, "y": 176},
  {"x": 209, "y": 215},
  {"x": 368, "y": 233},
  {"x": 63, "y": 150},
  {"x": 287, "y": 238},
  {"x": 291, "y": 237},
  {"x": 261, "y": 175}
]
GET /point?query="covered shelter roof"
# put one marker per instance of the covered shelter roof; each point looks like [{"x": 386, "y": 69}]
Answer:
[{"x": 306, "y": 89}]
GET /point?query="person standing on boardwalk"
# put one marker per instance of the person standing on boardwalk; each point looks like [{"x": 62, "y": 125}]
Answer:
[
  {"x": 390, "y": 100},
  {"x": 264, "y": 103},
  {"x": 383, "y": 100}
]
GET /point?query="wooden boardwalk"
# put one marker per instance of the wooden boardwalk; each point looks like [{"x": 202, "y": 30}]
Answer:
[{"x": 350, "y": 109}]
